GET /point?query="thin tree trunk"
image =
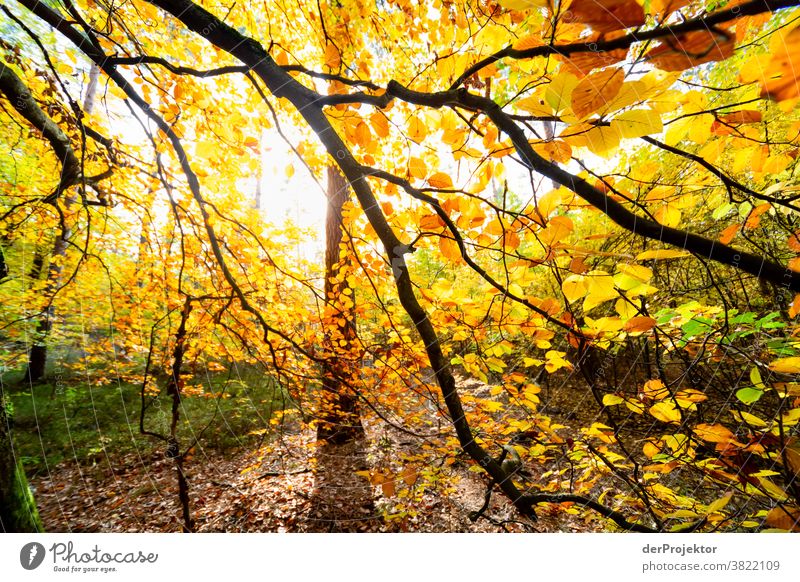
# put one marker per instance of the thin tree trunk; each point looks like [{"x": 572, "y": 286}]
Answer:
[
  {"x": 174, "y": 385},
  {"x": 339, "y": 420},
  {"x": 37, "y": 355}
]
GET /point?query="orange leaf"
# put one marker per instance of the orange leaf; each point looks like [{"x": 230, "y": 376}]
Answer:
[
  {"x": 794, "y": 241},
  {"x": 742, "y": 116},
  {"x": 556, "y": 151},
  {"x": 530, "y": 41},
  {"x": 440, "y": 180},
  {"x": 780, "y": 76},
  {"x": 639, "y": 323},
  {"x": 726, "y": 236},
  {"x": 417, "y": 130},
  {"x": 754, "y": 218},
  {"x": 608, "y": 15},
  {"x": 449, "y": 248},
  {"x": 714, "y": 433},
  {"x": 596, "y": 90},
  {"x": 333, "y": 59},
  {"x": 665, "y": 7},
  {"x": 380, "y": 124},
  {"x": 431, "y": 222},
  {"x": 785, "y": 517},
  {"x": 692, "y": 49},
  {"x": 794, "y": 309}
]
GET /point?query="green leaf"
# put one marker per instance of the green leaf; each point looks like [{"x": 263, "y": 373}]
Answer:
[{"x": 749, "y": 395}]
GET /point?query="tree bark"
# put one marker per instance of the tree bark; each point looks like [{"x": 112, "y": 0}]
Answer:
[
  {"x": 18, "y": 512},
  {"x": 339, "y": 419}
]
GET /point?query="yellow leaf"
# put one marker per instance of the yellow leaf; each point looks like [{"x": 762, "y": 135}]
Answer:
[
  {"x": 207, "y": 149},
  {"x": 665, "y": 412},
  {"x": 575, "y": 287},
  {"x": 638, "y": 122},
  {"x": 642, "y": 274},
  {"x": 601, "y": 289},
  {"x": 251, "y": 143},
  {"x": 522, "y": 4},
  {"x": 596, "y": 90},
  {"x": 612, "y": 400},
  {"x": 662, "y": 254},
  {"x": 655, "y": 390},
  {"x": 786, "y": 365},
  {"x": 535, "y": 106},
  {"x": 417, "y": 168},
  {"x": 440, "y": 180},
  {"x": 558, "y": 227},
  {"x": 668, "y": 215},
  {"x": 602, "y": 139},
  {"x": 650, "y": 449},
  {"x": 747, "y": 418},
  {"x": 559, "y": 91}
]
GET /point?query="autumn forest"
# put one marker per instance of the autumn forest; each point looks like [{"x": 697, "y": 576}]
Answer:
[{"x": 399, "y": 266}]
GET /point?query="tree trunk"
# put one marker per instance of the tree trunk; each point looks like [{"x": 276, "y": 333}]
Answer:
[
  {"x": 18, "y": 513},
  {"x": 339, "y": 419}
]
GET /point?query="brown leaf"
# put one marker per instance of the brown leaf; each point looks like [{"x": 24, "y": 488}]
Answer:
[
  {"x": 692, "y": 49},
  {"x": 584, "y": 62},
  {"x": 608, "y": 15}
]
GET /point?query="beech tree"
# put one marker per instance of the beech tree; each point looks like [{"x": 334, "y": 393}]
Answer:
[{"x": 539, "y": 187}]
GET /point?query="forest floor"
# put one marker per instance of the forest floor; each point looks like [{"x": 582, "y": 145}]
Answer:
[{"x": 278, "y": 488}]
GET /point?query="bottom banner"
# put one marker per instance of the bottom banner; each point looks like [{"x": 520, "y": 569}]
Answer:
[{"x": 356, "y": 557}]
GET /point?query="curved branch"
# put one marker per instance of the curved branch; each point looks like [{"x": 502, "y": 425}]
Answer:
[
  {"x": 617, "y": 212},
  {"x": 21, "y": 99},
  {"x": 671, "y": 31}
]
